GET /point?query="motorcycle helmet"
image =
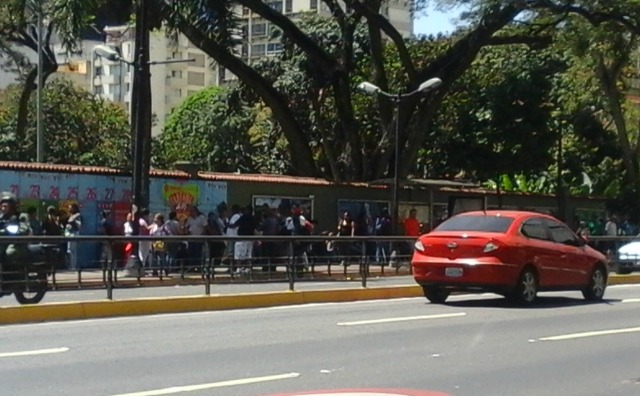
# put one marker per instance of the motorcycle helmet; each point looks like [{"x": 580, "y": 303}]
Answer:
[{"x": 7, "y": 197}]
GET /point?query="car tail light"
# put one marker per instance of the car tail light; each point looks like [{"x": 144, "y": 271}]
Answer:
[
  {"x": 419, "y": 246},
  {"x": 490, "y": 247}
]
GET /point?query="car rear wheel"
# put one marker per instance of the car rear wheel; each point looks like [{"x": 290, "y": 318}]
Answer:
[
  {"x": 526, "y": 290},
  {"x": 435, "y": 294},
  {"x": 597, "y": 285}
]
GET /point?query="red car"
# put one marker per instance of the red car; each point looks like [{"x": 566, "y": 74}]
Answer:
[{"x": 512, "y": 253}]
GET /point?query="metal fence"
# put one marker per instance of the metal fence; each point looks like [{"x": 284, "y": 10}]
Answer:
[{"x": 126, "y": 261}]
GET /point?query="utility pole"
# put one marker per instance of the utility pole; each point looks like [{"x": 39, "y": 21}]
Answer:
[
  {"x": 39, "y": 93},
  {"x": 141, "y": 112}
]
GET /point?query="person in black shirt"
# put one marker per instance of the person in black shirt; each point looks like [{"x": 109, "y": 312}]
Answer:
[{"x": 243, "y": 250}]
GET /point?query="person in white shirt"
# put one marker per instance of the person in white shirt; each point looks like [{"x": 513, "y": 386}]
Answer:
[
  {"x": 232, "y": 231},
  {"x": 611, "y": 229},
  {"x": 196, "y": 225}
]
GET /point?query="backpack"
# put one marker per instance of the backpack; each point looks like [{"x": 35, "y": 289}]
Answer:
[
  {"x": 298, "y": 228},
  {"x": 160, "y": 246}
]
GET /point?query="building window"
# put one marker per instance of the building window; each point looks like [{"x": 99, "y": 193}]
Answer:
[
  {"x": 274, "y": 48},
  {"x": 257, "y": 50},
  {"x": 288, "y": 6},
  {"x": 176, "y": 73},
  {"x": 99, "y": 71},
  {"x": 222, "y": 73},
  {"x": 276, "y": 5},
  {"x": 245, "y": 50},
  {"x": 245, "y": 11},
  {"x": 313, "y": 4},
  {"x": 195, "y": 78},
  {"x": 258, "y": 29},
  {"x": 98, "y": 89},
  {"x": 198, "y": 59},
  {"x": 176, "y": 55}
]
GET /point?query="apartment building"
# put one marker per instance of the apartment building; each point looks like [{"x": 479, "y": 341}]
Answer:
[
  {"x": 258, "y": 32},
  {"x": 172, "y": 83}
]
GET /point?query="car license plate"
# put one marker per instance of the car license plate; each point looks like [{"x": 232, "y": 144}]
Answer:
[{"x": 453, "y": 272}]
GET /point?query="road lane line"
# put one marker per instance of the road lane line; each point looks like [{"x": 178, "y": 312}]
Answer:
[
  {"x": 631, "y": 300},
  {"x": 33, "y": 352},
  {"x": 221, "y": 384},
  {"x": 591, "y": 334},
  {"x": 404, "y": 319}
]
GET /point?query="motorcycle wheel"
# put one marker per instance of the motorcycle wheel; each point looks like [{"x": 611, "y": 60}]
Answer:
[{"x": 34, "y": 293}]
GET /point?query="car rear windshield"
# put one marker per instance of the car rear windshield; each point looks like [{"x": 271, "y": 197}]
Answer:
[{"x": 497, "y": 224}]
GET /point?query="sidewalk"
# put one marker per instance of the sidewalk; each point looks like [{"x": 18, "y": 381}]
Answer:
[{"x": 95, "y": 278}]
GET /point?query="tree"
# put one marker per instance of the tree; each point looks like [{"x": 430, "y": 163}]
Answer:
[
  {"x": 78, "y": 127},
  {"x": 210, "y": 26},
  {"x": 216, "y": 130},
  {"x": 19, "y": 31}
]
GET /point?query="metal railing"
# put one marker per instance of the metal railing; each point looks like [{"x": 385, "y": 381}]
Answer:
[{"x": 282, "y": 258}]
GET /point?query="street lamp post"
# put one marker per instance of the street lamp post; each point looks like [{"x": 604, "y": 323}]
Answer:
[
  {"x": 40, "y": 88},
  {"x": 397, "y": 99},
  {"x": 140, "y": 116}
]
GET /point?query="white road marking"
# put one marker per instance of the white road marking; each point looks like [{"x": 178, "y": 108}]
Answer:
[
  {"x": 631, "y": 300},
  {"x": 212, "y": 385},
  {"x": 34, "y": 352},
  {"x": 404, "y": 319},
  {"x": 591, "y": 334}
]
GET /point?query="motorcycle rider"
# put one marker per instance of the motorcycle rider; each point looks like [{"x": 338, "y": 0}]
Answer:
[{"x": 9, "y": 215}]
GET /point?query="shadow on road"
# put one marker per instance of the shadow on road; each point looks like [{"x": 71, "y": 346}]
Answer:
[{"x": 541, "y": 303}]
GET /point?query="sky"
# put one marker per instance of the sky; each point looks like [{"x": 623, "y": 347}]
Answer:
[{"x": 434, "y": 22}]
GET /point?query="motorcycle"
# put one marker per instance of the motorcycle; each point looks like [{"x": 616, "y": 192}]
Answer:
[{"x": 24, "y": 268}]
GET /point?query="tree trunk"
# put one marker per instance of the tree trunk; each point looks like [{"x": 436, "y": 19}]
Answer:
[{"x": 30, "y": 86}]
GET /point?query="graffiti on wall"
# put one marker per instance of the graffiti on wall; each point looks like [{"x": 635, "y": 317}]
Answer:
[{"x": 95, "y": 194}]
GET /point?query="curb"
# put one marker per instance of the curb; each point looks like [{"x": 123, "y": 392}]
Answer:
[
  {"x": 623, "y": 280},
  {"x": 160, "y": 305}
]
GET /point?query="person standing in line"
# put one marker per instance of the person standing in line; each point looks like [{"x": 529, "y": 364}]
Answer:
[
  {"x": 173, "y": 228},
  {"x": 232, "y": 231},
  {"x": 243, "y": 250},
  {"x": 34, "y": 223},
  {"x": 159, "y": 247},
  {"x": 196, "y": 225},
  {"x": 106, "y": 228},
  {"x": 144, "y": 247},
  {"x": 72, "y": 228},
  {"x": 51, "y": 226}
]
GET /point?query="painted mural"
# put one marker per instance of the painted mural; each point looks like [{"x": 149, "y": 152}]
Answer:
[{"x": 97, "y": 193}]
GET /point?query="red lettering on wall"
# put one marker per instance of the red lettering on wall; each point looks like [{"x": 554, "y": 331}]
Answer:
[
  {"x": 108, "y": 194},
  {"x": 72, "y": 193},
  {"x": 15, "y": 189},
  {"x": 126, "y": 195},
  {"x": 34, "y": 191},
  {"x": 54, "y": 192},
  {"x": 92, "y": 194}
]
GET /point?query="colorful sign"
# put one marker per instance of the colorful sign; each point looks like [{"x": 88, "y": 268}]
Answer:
[{"x": 180, "y": 198}]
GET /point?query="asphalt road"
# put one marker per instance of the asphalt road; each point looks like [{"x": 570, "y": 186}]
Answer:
[
  {"x": 475, "y": 345},
  {"x": 216, "y": 289}
]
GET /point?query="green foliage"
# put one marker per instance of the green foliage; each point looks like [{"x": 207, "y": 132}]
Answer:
[
  {"x": 215, "y": 129},
  {"x": 78, "y": 128}
]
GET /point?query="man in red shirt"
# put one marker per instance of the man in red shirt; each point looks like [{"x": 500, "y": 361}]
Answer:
[{"x": 412, "y": 225}]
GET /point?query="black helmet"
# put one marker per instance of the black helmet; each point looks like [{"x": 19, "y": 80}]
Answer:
[{"x": 8, "y": 197}]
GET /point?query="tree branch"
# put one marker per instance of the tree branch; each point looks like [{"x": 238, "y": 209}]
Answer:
[
  {"x": 535, "y": 42},
  {"x": 301, "y": 154},
  {"x": 383, "y": 24}
]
